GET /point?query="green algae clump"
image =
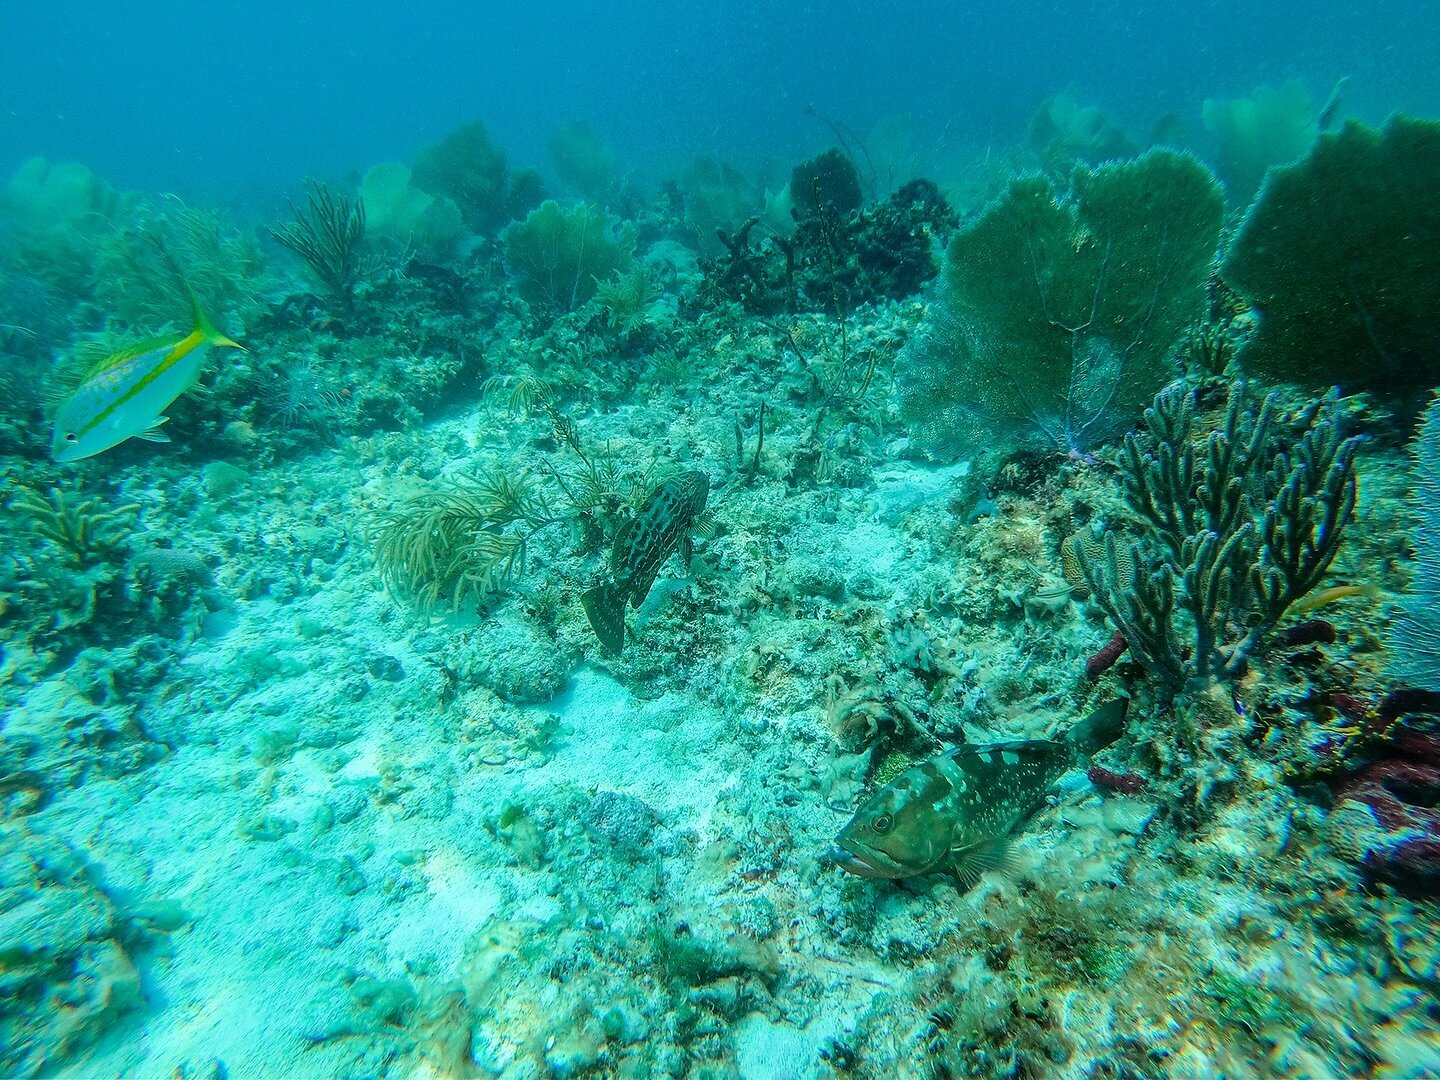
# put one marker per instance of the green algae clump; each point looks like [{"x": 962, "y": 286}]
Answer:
[{"x": 1340, "y": 255}]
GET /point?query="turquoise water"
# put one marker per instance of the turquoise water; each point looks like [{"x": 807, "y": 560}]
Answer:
[{"x": 736, "y": 542}]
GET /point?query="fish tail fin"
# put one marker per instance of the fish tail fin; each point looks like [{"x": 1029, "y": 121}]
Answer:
[
  {"x": 207, "y": 329},
  {"x": 1101, "y": 728},
  {"x": 605, "y": 608}
]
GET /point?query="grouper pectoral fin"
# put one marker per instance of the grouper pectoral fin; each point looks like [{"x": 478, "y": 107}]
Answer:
[
  {"x": 605, "y": 608},
  {"x": 971, "y": 861}
]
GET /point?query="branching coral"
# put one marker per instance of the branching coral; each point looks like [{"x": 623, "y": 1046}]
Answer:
[
  {"x": 1240, "y": 524},
  {"x": 328, "y": 234},
  {"x": 83, "y": 530}
]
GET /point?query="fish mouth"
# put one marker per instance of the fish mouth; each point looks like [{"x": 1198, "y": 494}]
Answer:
[{"x": 855, "y": 864}]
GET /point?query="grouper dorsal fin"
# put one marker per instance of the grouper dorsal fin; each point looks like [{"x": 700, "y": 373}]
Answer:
[{"x": 1004, "y": 754}]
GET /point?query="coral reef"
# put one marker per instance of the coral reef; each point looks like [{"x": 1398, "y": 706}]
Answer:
[
  {"x": 559, "y": 255},
  {"x": 311, "y": 762}
]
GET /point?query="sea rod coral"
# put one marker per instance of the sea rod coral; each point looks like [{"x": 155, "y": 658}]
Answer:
[{"x": 1238, "y": 526}]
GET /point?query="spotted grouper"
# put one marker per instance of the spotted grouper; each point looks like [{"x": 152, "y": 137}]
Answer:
[
  {"x": 661, "y": 526},
  {"x": 957, "y": 811}
]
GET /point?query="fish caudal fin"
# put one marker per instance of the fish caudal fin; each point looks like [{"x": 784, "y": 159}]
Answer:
[
  {"x": 1101, "y": 728},
  {"x": 605, "y": 608},
  {"x": 212, "y": 336}
]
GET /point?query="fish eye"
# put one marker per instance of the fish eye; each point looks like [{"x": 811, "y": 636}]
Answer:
[
  {"x": 882, "y": 823},
  {"x": 72, "y": 437}
]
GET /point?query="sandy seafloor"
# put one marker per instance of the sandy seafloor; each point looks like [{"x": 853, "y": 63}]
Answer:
[{"x": 364, "y": 861}]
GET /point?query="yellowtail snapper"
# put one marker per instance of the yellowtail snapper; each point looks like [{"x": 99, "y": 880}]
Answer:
[{"x": 125, "y": 395}]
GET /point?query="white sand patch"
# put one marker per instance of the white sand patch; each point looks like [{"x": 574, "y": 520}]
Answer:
[
  {"x": 908, "y": 486},
  {"x": 769, "y": 1051},
  {"x": 668, "y": 752},
  {"x": 435, "y": 927}
]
